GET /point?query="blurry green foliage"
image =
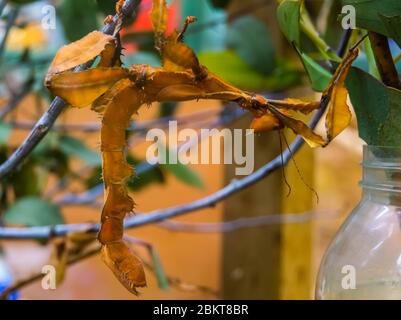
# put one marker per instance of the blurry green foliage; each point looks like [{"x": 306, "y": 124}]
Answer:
[
  {"x": 78, "y": 17},
  {"x": 251, "y": 40},
  {"x": 32, "y": 212},
  {"x": 378, "y": 109},
  {"x": 75, "y": 147},
  {"x": 319, "y": 77},
  {"x": 380, "y": 16}
]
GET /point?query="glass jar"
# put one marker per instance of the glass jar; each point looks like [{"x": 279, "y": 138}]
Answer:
[{"x": 364, "y": 259}]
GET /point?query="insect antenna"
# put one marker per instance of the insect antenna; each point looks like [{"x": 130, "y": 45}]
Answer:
[
  {"x": 282, "y": 164},
  {"x": 299, "y": 171}
]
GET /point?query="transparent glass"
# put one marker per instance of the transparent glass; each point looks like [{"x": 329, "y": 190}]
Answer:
[{"x": 364, "y": 259}]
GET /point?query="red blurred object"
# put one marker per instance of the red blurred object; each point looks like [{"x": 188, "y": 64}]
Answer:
[{"x": 143, "y": 21}]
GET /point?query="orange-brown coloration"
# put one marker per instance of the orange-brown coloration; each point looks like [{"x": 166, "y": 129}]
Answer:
[
  {"x": 119, "y": 6},
  {"x": 117, "y": 93},
  {"x": 108, "y": 19}
]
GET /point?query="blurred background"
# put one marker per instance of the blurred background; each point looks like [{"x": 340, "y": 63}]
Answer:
[{"x": 61, "y": 183}]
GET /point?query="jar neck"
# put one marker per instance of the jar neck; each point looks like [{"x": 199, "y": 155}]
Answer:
[{"x": 381, "y": 180}]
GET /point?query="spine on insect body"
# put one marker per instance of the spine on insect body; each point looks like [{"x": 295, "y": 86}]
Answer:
[{"x": 116, "y": 254}]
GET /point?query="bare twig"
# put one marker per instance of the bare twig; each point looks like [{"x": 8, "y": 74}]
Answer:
[
  {"x": 3, "y": 4},
  {"x": 16, "y": 99},
  {"x": 173, "y": 281},
  {"x": 163, "y": 214},
  {"x": 135, "y": 126},
  {"x": 37, "y": 276},
  {"x": 12, "y": 16},
  {"x": 89, "y": 196},
  {"x": 44, "y": 124},
  {"x": 230, "y": 226}
]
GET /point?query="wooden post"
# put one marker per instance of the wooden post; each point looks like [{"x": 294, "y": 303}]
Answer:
[
  {"x": 251, "y": 257},
  {"x": 272, "y": 261}
]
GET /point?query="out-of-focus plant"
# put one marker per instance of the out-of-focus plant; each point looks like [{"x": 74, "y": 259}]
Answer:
[{"x": 247, "y": 57}]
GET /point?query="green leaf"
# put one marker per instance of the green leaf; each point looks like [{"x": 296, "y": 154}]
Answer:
[
  {"x": 5, "y": 131},
  {"x": 229, "y": 66},
  {"x": 310, "y": 31},
  {"x": 33, "y": 211},
  {"x": 182, "y": 172},
  {"x": 78, "y": 17},
  {"x": 251, "y": 39},
  {"x": 288, "y": 16},
  {"x": 25, "y": 181},
  {"x": 319, "y": 77},
  {"x": 377, "y": 15},
  {"x": 75, "y": 147},
  {"x": 377, "y": 107},
  {"x": 147, "y": 174},
  {"x": 161, "y": 277},
  {"x": 393, "y": 27},
  {"x": 185, "y": 174}
]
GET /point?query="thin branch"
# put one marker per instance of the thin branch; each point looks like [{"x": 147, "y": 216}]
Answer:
[
  {"x": 384, "y": 60},
  {"x": 159, "y": 215},
  {"x": 230, "y": 226},
  {"x": 12, "y": 16},
  {"x": 135, "y": 126},
  {"x": 89, "y": 196},
  {"x": 38, "y": 276},
  {"x": 16, "y": 99},
  {"x": 44, "y": 124},
  {"x": 3, "y": 4},
  {"x": 173, "y": 281}
]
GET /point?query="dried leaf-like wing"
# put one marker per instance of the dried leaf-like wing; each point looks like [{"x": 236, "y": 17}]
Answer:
[
  {"x": 80, "y": 89},
  {"x": 339, "y": 115},
  {"x": 100, "y": 104},
  {"x": 178, "y": 56},
  {"x": 59, "y": 258},
  {"x": 80, "y": 52},
  {"x": 108, "y": 57},
  {"x": 313, "y": 139}
]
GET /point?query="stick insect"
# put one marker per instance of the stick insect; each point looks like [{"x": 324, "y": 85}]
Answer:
[{"x": 117, "y": 92}]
